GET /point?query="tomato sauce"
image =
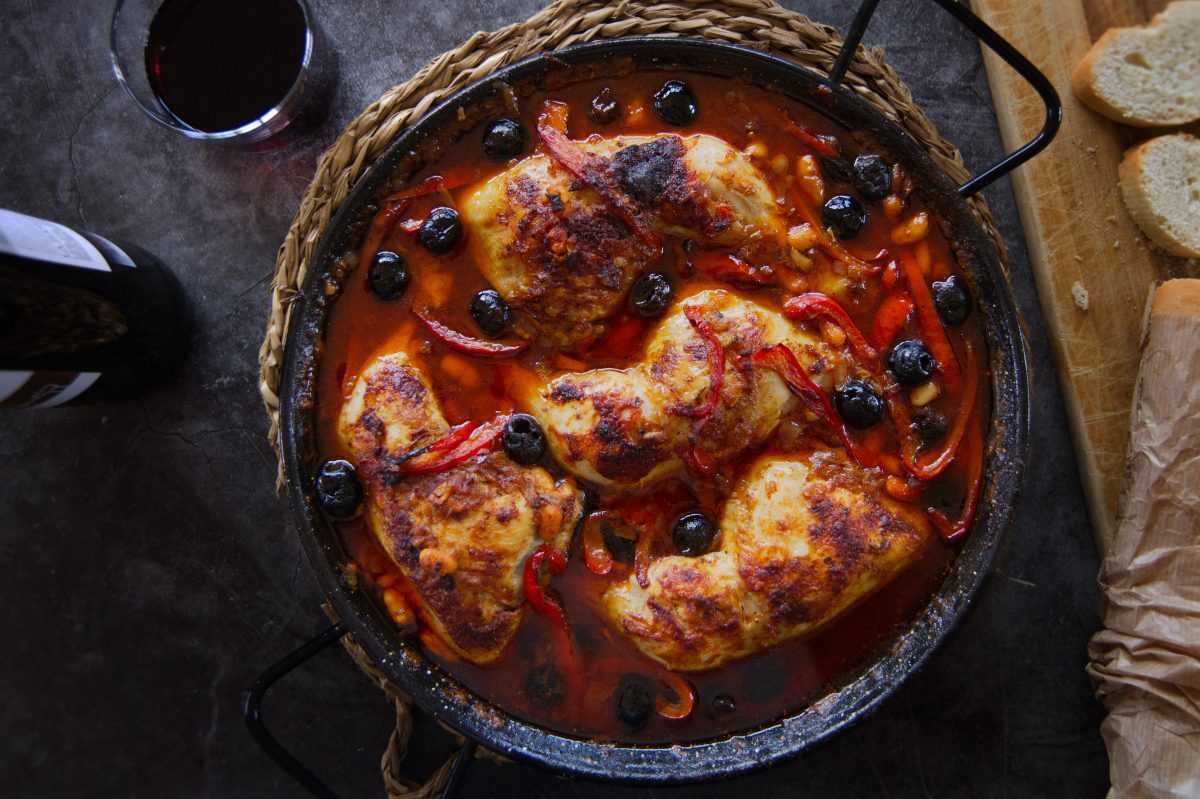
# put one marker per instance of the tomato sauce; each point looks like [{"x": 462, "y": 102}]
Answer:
[{"x": 569, "y": 682}]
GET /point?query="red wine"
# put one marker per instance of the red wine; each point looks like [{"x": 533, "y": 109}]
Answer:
[
  {"x": 218, "y": 64},
  {"x": 84, "y": 319}
]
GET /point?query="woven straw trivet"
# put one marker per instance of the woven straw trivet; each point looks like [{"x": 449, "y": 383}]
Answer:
[{"x": 758, "y": 24}]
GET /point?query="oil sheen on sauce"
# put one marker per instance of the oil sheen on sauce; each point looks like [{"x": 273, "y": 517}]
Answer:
[{"x": 764, "y": 686}]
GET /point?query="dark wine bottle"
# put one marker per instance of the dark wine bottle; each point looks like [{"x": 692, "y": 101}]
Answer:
[{"x": 83, "y": 319}]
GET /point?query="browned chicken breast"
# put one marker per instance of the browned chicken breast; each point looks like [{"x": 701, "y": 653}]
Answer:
[
  {"x": 803, "y": 537},
  {"x": 557, "y": 250},
  {"x": 627, "y": 428},
  {"x": 461, "y": 536},
  {"x": 553, "y": 248},
  {"x": 699, "y": 187}
]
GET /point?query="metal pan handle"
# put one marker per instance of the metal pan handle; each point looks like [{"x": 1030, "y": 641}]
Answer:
[
  {"x": 1002, "y": 48},
  {"x": 284, "y": 759}
]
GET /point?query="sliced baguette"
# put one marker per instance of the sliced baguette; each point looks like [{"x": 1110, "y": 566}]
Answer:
[
  {"x": 1160, "y": 181},
  {"x": 1146, "y": 76}
]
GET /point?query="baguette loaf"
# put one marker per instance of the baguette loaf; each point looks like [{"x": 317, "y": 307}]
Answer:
[
  {"x": 1160, "y": 181},
  {"x": 1147, "y": 76}
]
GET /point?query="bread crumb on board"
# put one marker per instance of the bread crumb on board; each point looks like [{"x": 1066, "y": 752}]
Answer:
[{"x": 1081, "y": 295}]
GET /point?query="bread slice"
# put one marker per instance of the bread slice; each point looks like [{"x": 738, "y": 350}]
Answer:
[
  {"x": 1160, "y": 181},
  {"x": 1146, "y": 76}
]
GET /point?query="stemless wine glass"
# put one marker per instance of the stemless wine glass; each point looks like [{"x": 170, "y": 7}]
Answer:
[{"x": 300, "y": 110}]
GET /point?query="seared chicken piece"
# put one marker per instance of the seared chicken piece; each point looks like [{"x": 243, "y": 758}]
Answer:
[
  {"x": 461, "y": 536},
  {"x": 699, "y": 187},
  {"x": 803, "y": 537},
  {"x": 553, "y": 248},
  {"x": 627, "y": 429}
]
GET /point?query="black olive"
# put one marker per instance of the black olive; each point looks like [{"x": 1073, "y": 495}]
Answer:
[
  {"x": 523, "y": 439},
  {"x": 694, "y": 534},
  {"x": 952, "y": 301},
  {"x": 504, "y": 139},
  {"x": 546, "y": 686},
  {"x": 635, "y": 705},
  {"x": 844, "y": 215},
  {"x": 604, "y": 110},
  {"x": 859, "y": 404},
  {"x": 651, "y": 294},
  {"x": 932, "y": 428},
  {"x": 621, "y": 548},
  {"x": 836, "y": 168},
  {"x": 911, "y": 363},
  {"x": 676, "y": 104},
  {"x": 388, "y": 276},
  {"x": 722, "y": 706},
  {"x": 339, "y": 493},
  {"x": 441, "y": 232},
  {"x": 490, "y": 312},
  {"x": 872, "y": 177}
]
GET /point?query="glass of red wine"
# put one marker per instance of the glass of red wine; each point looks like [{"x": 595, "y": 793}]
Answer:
[{"x": 254, "y": 75}]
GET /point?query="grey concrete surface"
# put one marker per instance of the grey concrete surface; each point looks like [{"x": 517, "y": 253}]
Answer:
[{"x": 150, "y": 573}]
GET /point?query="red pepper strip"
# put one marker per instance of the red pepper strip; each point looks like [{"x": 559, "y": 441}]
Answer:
[
  {"x": 381, "y": 226},
  {"x": 892, "y": 315},
  {"x": 890, "y": 276},
  {"x": 682, "y": 708},
  {"x": 931, "y": 326},
  {"x": 426, "y": 187},
  {"x": 716, "y": 366},
  {"x": 456, "y": 436},
  {"x": 726, "y": 267},
  {"x": 589, "y": 168},
  {"x": 808, "y": 138},
  {"x": 931, "y": 464},
  {"x": 951, "y": 531},
  {"x": 595, "y": 554},
  {"x": 480, "y": 438},
  {"x": 533, "y": 585},
  {"x": 814, "y": 304},
  {"x": 641, "y": 557},
  {"x": 779, "y": 359},
  {"x": 464, "y": 343}
]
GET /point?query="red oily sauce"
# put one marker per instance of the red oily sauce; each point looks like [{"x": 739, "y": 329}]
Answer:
[{"x": 568, "y": 680}]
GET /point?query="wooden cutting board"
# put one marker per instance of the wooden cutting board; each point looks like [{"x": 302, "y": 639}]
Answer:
[{"x": 1079, "y": 232}]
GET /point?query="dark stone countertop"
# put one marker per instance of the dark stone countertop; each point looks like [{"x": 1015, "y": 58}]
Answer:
[{"x": 152, "y": 574}]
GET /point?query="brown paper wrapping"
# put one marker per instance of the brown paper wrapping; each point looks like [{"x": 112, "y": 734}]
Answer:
[{"x": 1146, "y": 663}]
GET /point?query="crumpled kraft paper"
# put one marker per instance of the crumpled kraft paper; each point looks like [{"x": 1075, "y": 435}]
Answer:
[{"x": 1146, "y": 664}]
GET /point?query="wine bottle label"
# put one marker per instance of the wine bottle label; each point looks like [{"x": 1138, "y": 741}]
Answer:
[
  {"x": 40, "y": 240},
  {"x": 42, "y": 389}
]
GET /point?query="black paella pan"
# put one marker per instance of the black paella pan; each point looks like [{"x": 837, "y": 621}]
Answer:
[{"x": 854, "y": 695}]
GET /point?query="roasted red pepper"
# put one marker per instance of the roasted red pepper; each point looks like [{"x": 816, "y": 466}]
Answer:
[
  {"x": 931, "y": 464},
  {"x": 732, "y": 269},
  {"x": 533, "y": 584},
  {"x": 465, "y": 343},
  {"x": 590, "y": 168},
  {"x": 452, "y": 449},
  {"x": 814, "y": 305},
  {"x": 892, "y": 315},
  {"x": 426, "y": 187},
  {"x": 813, "y": 141},
  {"x": 952, "y": 530},
  {"x": 682, "y": 707},
  {"x": 779, "y": 359},
  {"x": 595, "y": 553},
  {"x": 931, "y": 325}
]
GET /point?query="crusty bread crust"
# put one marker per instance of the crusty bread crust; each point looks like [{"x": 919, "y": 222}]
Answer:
[
  {"x": 1085, "y": 78},
  {"x": 1180, "y": 296},
  {"x": 1155, "y": 212}
]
